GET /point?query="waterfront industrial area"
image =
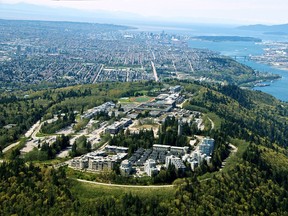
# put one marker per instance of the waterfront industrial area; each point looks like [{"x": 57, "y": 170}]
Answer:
[{"x": 275, "y": 54}]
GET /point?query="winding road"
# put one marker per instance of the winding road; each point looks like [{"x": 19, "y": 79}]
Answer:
[
  {"x": 10, "y": 147},
  {"x": 212, "y": 124},
  {"x": 125, "y": 186}
]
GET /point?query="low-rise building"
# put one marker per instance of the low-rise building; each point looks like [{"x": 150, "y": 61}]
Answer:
[
  {"x": 97, "y": 161},
  {"x": 155, "y": 113},
  {"x": 176, "y": 150},
  {"x": 207, "y": 146},
  {"x": 176, "y": 162},
  {"x": 161, "y": 96},
  {"x": 101, "y": 164},
  {"x": 126, "y": 121},
  {"x": 106, "y": 107},
  {"x": 159, "y": 147},
  {"x": 117, "y": 126},
  {"x": 79, "y": 163},
  {"x": 114, "y": 128},
  {"x": 116, "y": 149},
  {"x": 175, "y": 89}
]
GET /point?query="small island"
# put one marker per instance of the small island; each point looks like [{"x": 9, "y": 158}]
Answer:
[{"x": 228, "y": 38}]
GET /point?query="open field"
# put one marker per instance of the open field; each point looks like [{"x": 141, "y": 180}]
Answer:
[
  {"x": 89, "y": 191},
  {"x": 237, "y": 157},
  {"x": 140, "y": 99}
]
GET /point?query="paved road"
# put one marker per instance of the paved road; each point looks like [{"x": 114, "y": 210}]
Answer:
[
  {"x": 154, "y": 71},
  {"x": 125, "y": 186},
  {"x": 32, "y": 132},
  {"x": 212, "y": 123},
  {"x": 9, "y": 147},
  {"x": 34, "y": 127}
]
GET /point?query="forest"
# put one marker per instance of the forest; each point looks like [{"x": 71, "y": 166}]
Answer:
[
  {"x": 21, "y": 109},
  {"x": 254, "y": 180}
]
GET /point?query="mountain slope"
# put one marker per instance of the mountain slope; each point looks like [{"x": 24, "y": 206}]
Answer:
[
  {"x": 266, "y": 28},
  {"x": 254, "y": 183}
]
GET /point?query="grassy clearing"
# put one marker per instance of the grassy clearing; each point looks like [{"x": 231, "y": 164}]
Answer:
[
  {"x": 88, "y": 191},
  {"x": 146, "y": 126},
  {"x": 41, "y": 135},
  {"x": 140, "y": 99},
  {"x": 124, "y": 100},
  {"x": 216, "y": 119},
  {"x": 195, "y": 108},
  {"x": 50, "y": 162},
  {"x": 235, "y": 158},
  {"x": 207, "y": 123},
  {"x": 206, "y": 176}
]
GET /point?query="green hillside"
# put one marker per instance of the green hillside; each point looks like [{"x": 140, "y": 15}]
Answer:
[{"x": 254, "y": 180}]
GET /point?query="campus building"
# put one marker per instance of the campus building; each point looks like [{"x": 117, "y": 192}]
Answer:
[
  {"x": 125, "y": 168},
  {"x": 97, "y": 161},
  {"x": 106, "y": 107},
  {"x": 207, "y": 146},
  {"x": 150, "y": 167},
  {"x": 119, "y": 125},
  {"x": 176, "y": 162}
]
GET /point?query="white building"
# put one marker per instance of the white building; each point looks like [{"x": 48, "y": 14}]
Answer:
[
  {"x": 116, "y": 149},
  {"x": 150, "y": 167},
  {"x": 125, "y": 168},
  {"x": 159, "y": 147},
  {"x": 206, "y": 148},
  {"x": 97, "y": 161}
]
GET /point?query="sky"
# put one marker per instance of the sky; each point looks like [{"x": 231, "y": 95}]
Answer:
[{"x": 214, "y": 11}]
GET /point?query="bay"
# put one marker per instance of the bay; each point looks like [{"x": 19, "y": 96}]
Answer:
[
  {"x": 277, "y": 88},
  {"x": 234, "y": 49}
]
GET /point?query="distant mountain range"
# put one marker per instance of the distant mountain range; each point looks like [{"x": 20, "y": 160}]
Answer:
[
  {"x": 23, "y": 11},
  {"x": 267, "y": 29}
]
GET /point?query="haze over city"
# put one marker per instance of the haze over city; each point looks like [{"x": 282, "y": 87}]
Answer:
[{"x": 186, "y": 11}]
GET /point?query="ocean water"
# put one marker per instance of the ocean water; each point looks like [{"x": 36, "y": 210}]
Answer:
[{"x": 277, "y": 88}]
